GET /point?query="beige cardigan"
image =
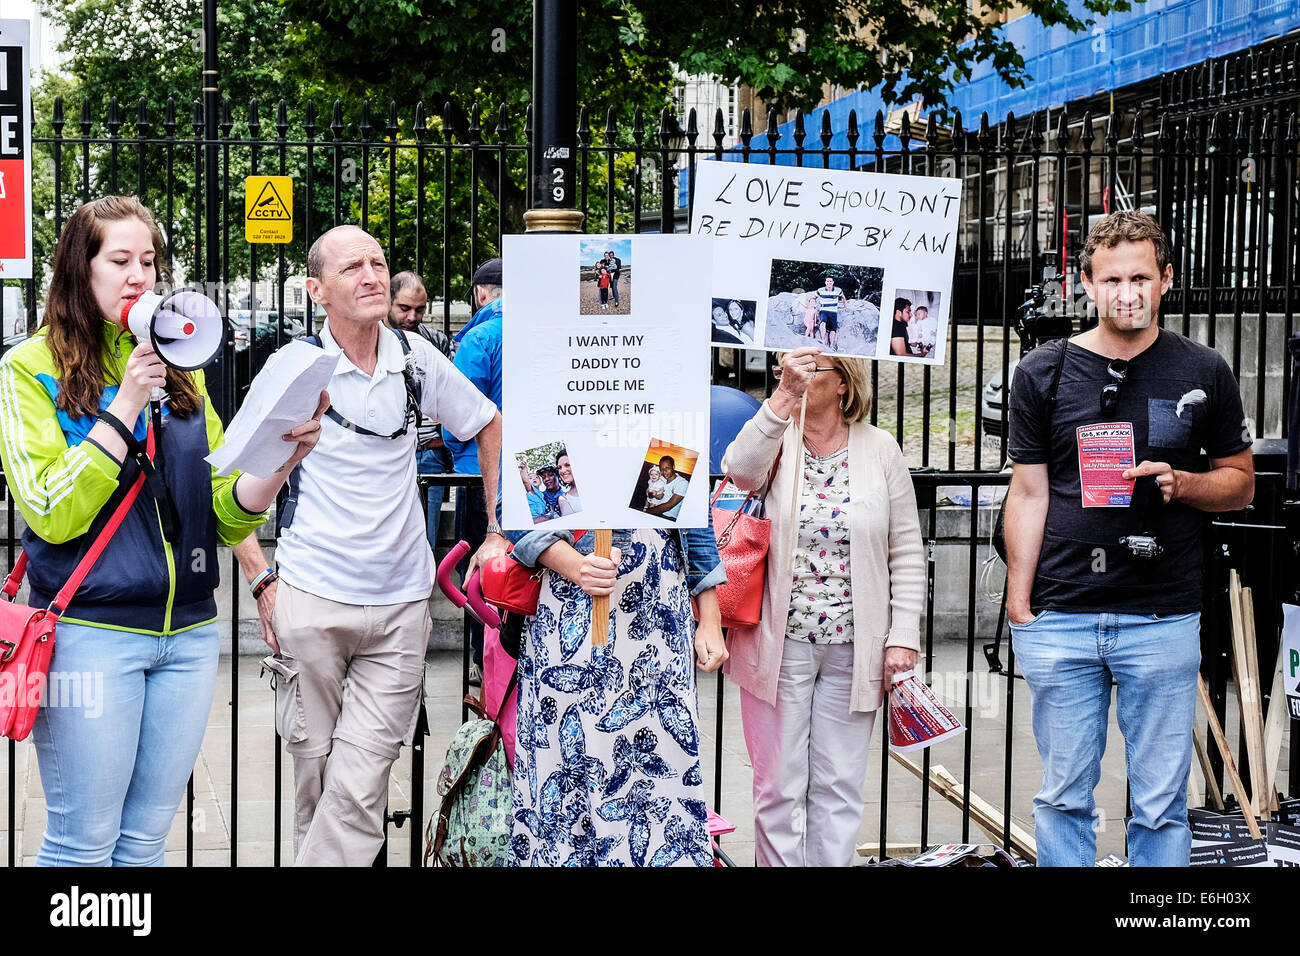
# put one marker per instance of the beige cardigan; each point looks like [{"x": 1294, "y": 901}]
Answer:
[{"x": 886, "y": 556}]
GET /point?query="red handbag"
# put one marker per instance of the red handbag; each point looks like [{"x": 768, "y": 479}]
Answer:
[
  {"x": 743, "y": 541},
  {"x": 511, "y": 586},
  {"x": 27, "y": 633}
]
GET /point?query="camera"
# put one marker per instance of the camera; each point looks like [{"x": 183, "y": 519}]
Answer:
[
  {"x": 1144, "y": 547},
  {"x": 1042, "y": 316}
]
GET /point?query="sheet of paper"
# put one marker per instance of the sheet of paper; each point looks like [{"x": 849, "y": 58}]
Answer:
[
  {"x": 283, "y": 396},
  {"x": 1105, "y": 453}
]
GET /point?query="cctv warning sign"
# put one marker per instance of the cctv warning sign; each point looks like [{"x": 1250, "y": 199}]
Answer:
[{"x": 268, "y": 209}]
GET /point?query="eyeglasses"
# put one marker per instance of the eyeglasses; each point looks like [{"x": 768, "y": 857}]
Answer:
[
  {"x": 777, "y": 371},
  {"x": 1118, "y": 371}
]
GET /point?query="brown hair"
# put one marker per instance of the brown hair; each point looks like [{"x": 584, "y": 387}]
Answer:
[
  {"x": 76, "y": 326},
  {"x": 1126, "y": 226}
]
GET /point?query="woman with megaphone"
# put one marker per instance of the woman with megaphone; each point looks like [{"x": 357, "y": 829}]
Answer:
[{"x": 135, "y": 659}]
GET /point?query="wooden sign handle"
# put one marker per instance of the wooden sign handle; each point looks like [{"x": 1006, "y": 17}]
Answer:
[{"x": 600, "y": 604}]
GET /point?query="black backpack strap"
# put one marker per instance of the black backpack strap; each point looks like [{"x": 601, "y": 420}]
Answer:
[
  {"x": 1056, "y": 379},
  {"x": 414, "y": 384}
]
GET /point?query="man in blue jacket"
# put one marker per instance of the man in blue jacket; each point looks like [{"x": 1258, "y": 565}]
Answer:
[{"x": 478, "y": 357}]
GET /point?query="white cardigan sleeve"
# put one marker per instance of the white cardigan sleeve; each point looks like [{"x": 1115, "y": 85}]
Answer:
[
  {"x": 750, "y": 456},
  {"x": 906, "y": 554}
]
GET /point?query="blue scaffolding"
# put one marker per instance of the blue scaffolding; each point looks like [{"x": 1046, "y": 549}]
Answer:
[{"x": 1145, "y": 42}]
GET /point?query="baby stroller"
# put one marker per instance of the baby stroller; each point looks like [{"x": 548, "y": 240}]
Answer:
[{"x": 498, "y": 665}]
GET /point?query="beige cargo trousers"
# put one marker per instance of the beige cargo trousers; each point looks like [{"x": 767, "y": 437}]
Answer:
[{"x": 349, "y": 682}]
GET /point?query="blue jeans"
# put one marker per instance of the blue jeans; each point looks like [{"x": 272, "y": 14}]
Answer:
[
  {"x": 433, "y": 461},
  {"x": 117, "y": 739},
  {"x": 1068, "y": 661},
  {"x": 613, "y": 287}
]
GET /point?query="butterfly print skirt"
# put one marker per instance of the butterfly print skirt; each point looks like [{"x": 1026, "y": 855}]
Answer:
[{"x": 607, "y": 767}]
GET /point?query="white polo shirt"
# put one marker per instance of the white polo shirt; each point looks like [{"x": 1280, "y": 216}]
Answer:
[{"x": 358, "y": 533}]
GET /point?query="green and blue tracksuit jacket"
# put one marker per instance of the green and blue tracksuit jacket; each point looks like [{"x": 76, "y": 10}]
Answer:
[{"x": 66, "y": 487}]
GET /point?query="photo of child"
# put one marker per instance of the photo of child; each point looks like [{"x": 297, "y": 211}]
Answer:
[
  {"x": 605, "y": 276},
  {"x": 664, "y": 479},
  {"x": 548, "y": 482}
]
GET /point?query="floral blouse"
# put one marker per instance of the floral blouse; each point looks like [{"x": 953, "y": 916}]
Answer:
[{"x": 821, "y": 605}]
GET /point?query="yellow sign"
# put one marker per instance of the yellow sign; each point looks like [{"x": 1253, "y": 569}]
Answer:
[{"x": 268, "y": 209}]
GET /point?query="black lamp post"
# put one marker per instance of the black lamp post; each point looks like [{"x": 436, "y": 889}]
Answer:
[
  {"x": 555, "y": 105},
  {"x": 671, "y": 140}
]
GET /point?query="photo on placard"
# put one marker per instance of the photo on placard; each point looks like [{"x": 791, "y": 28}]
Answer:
[
  {"x": 831, "y": 305},
  {"x": 605, "y": 276},
  {"x": 663, "y": 479},
  {"x": 914, "y": 330},
  {"x": 733, "y": 321},
  {"x": 547, "y": 481}
]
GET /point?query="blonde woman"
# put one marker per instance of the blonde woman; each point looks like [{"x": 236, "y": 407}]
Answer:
[{"x": 841, "y": 610}]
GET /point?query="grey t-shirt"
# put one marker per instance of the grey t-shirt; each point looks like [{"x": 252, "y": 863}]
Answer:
[{"x": 1182, "y": 400}]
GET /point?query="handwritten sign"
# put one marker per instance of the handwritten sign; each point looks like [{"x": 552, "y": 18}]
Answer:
[
  {"x": 860, "y": 264},
  {"x": 605, "y": 397}
]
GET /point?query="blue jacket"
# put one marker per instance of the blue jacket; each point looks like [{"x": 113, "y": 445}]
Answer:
[
  {"x": 704, "y": 569},
  {"x": 478, "y": 356}
]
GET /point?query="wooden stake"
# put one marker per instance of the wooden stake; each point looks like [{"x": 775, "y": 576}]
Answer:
[
  {"x": 1203, "y": 758},
  {"x": 600, "y": 604},
  {"x": 1273, "y": 728},
  {"x": 1247, "y": 689},
  {"x": 1216, "y": 729}
]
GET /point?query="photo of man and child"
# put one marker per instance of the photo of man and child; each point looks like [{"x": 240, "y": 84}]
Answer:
[
  {"x": 914, "y": 331},
  {"x": 548, "y": 482},
  {"x": 664, "y": 479},
  {"x": 833, "y": 305},
  {"x": 605, "y": 276}
]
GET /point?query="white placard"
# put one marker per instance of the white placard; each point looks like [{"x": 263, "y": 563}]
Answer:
[
  {"x": 780, "y": 232},
  {"x": 617, "y": 386},
  {"x": 15, "y": 150}
]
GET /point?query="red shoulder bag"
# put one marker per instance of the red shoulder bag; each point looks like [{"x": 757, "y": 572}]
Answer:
[{"x": 27, "y": 633}]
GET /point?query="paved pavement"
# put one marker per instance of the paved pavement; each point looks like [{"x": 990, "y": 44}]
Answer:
[{"x": 215, "y": 826}]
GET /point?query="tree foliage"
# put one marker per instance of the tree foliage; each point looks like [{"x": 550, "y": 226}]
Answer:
[{"x": 469, "y": 62}]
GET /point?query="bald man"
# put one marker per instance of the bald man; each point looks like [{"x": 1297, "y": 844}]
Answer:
[{"x": 350, "y": 613}]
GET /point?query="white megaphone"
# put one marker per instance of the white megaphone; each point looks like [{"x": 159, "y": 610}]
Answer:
[{"x": 184, "y": 328}]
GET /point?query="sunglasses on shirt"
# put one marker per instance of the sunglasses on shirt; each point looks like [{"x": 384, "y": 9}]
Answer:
[{"x": 1117, "y": 370}]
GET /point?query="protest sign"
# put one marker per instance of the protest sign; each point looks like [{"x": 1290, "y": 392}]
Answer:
[
  {"x": 605, "y": 388},
  {"x": 1291, "y": 658},
  {"x": 860, "y": 264}
]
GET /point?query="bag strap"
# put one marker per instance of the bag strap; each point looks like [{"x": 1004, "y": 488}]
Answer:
[
  {"x": 65, "y": 595},
  {"x": 758, "y": 492},
  {"x": 414, "y": 391},
  {"x": 15, "y": 579},
  {"x": 798, "y": 445}
]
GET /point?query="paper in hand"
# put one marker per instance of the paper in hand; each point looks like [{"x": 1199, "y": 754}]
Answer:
[{"x": 283, "y": 396}]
